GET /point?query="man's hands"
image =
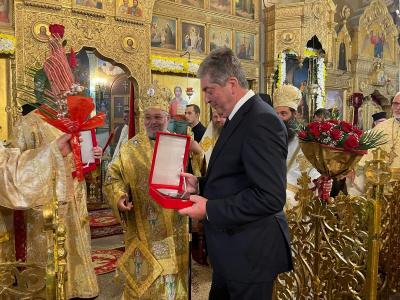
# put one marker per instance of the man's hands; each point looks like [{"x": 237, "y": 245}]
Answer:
[
  {"x": 65, "y": 147},
  {"x": 123, "y": 204},
  {"x": 197, "y": 210},
  {"x": 97, "y": 152},
  {"x": 191, "y": 183},
  {"x": 63, "y": 144}
]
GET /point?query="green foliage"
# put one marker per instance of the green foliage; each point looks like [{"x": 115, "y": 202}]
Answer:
[{"x": 372, "y": 139}]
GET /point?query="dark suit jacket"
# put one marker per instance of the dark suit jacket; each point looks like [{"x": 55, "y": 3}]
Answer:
[
  {"x": 246, "y": 230},
  {"x": 198, "y": 132}
]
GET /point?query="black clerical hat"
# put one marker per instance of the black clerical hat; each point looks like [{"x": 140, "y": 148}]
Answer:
[{"x": 379, "y": 115}]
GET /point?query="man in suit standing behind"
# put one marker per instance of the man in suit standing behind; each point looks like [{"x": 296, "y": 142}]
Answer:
[{"x": 242, "y": 196}]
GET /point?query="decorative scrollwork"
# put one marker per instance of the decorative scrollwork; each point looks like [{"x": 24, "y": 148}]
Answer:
[
  {"x": 389, "y": 259},
  {"x": 22, "y": 281},
  {"x": 329, "y": 244}
]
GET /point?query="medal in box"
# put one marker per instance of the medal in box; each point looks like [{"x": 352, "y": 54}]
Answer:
[{"x": 167, "y": 186}]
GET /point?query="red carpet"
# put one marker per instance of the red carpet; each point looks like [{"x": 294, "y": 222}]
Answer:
[
  {"x": 105, "y": 261},
  {"x": 103, "y": 223}
]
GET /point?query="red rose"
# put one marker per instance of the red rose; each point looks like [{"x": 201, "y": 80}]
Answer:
[
  {"x": 325, "y": 126},
  {"x": 56, "y": 30},
  {"x": 315, "y": 132},
  {"x": 351, "y": 142},
  {"x": 302, "y": 134},
  {"x": 313, "y": 125},
  {"x": 346, "y": 126},
  {"x": 357, "y": 131},
  {"x": 336, "y": 134},
  {"x": 334, "y": 121}
]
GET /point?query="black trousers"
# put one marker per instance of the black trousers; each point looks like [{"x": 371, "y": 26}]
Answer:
[{"x": 222, "y": 289}]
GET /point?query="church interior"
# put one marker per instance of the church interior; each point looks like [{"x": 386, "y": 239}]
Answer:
[{"x": 344, "y": 56}]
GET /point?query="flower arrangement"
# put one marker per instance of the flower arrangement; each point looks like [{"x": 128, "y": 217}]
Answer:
[
  {"x": 58, "y": 98},
  {"x": 340, "y": 134},
  {"x": 334, "y": 147},
  {"x": 174, "y": 64},
  {"x": 7, "y": 44}
]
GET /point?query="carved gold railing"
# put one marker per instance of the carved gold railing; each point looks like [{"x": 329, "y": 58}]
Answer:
[
  {"x": 337, "y": 246},
  {"x": 19, "y": 280},
  {"x": 389, "y": 270}
]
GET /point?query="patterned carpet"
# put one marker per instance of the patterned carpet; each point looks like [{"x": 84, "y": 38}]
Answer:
[
  {"x": 105, "y": 260},
  {"x": 201, "y": 281},
  {"x": 103, "y": 223}
]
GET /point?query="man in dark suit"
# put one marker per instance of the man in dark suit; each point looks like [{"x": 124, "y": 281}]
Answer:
[
  {"x": 192, "y": 116},
  {"x": 242, "y": 196}
]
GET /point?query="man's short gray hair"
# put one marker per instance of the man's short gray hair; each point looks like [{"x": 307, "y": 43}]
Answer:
[{"x": 221, "y": 64}]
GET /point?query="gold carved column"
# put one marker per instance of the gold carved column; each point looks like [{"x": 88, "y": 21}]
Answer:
[{"x": 4, "y": 97}]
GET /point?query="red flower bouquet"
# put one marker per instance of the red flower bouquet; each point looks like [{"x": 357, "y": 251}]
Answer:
[
  {"x": 341, "y": 135},
  {"x": 333, "y": 147},
  {"x": 56, "y": 30},
  {"x": 76, "y": 120},
  {"x": 56, "y": 96}
]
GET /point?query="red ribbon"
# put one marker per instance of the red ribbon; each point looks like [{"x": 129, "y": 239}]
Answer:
[
  {"x": 324, "y": 186},
  {"x": 79, "y": 109},
  {"x": 19, "y": 235}
]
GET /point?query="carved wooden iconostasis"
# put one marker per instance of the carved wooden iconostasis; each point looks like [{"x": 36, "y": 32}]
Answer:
[
  {"x": 113, "y": 61},
  {"x": 197, "y": 27},
  {"x": 119, "y": 45},
  {"x": 376, "y": 61},
  {"x": 359, "y": 60}
]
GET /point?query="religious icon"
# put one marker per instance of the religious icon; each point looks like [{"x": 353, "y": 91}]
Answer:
[
  {"x": 375, "y": 43},
  {"x": 224, "y": 6},
  {"x": 245, "y": 8},
  {"x": 163, "y": 32},
  {"x": 195, "y": 3},
  {"x": 244, "y": 45},
  {"x": 219, "y": 38},
  {"x": 377, "y": 40},
  {"x": 193, "y": 37},
  {"x": 90, "y": 3},
  {"x": 41, "y": 32},
  {"x": 5, "y": 12},
  {"x": 342, "y": 65},
  {"x": 129, "y": 8},
  {"x": 138, "y": 262},
  {"x": 129, "y": 44},
  {"x": 334, "y": 101}
]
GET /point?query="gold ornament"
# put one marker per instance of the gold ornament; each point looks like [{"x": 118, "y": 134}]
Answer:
[{"x": 154, "y": 96}]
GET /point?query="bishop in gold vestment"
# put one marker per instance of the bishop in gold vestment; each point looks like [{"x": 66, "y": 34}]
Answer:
[
  {"x": 32, "y": 132},
  {"x": 156, "y": 259}
]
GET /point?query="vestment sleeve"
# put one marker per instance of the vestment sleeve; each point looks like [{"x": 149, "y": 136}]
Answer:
[
  {"x": 114, "y": 186},
  {"x": 26, "y": 179}
]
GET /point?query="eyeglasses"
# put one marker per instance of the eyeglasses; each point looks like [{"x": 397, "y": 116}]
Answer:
[{"x": 396, "y": 103}]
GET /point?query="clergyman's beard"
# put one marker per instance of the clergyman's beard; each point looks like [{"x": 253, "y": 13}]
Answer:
[
  {"x": 217, "y": 131},
  {"x": 290, "y": 129},
  {"x": 151, "y": 135}
]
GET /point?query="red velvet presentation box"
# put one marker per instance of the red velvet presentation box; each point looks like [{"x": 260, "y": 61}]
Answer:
[{"x": 167, "y": 186}]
